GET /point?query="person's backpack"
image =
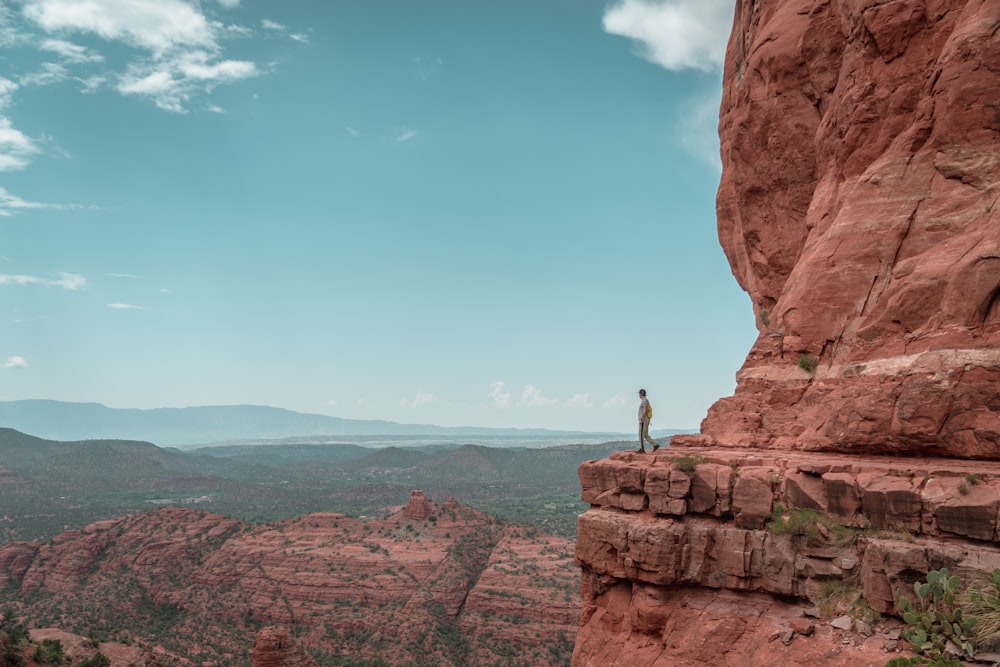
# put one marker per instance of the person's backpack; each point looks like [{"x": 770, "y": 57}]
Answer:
[{"x": 649, "y": 412}]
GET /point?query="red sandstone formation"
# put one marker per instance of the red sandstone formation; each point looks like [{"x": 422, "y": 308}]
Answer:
[
  {"x": 859, "y": 208},
  {"x": 275, "y": 647},
  {"x": 418, "y": 507},
  {"x": 678, "y": 571},
  {"x": 395, "y": 589}
]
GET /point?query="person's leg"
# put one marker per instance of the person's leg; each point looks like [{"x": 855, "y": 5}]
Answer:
[
  {"x": 645, "y": 436},
  {"x": 642, "y": 445}
]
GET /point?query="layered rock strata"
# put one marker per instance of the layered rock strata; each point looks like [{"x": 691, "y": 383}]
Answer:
[
  {"x": 679, "y": 538},
  {"x": 858, "y": 208}
]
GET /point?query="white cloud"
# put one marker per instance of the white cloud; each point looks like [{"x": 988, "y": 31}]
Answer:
[
  {"x": 71, "y": 52},
  {"x": 229, "y": 4},
  {"x": 406, "y": 135},
  {"x": 7, "y": 88},
  {"x": 183, "y": 55},
  {"x": 214, "y": 108},
  {"x": 16, "y": 149},
  {"x": 47, "y": 75},
  {"x": 69, "y": 281},
  {"x": 500, "y": 398},
  {"x": 299, "y": 37},
  {"x": 272, "y": 25},
  {"x": 16, "y": 362},
  {"x": 699, "y": 131},
  {"x": 351, "y": 132},
  {"x": 532, "y": 397},
  {"x": 171, "y": 84},
  {"x": 155, "y": 25},
  {"x": 125, "y": 306},
  {"x": 614, "y": 402},
  {"x": 675, "y": 34},
  {"x": 580, "y": 401},
  {"x": 420, "y": 400}
]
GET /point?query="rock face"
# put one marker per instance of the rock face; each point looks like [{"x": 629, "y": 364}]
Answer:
[
  {"x": 679, "y": 570},
  {"x": 859, "y": 207},
  {"x": 418, "y": 507}
]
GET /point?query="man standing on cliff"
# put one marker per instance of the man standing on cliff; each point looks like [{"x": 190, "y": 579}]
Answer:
[{"x": 645, "y": 415}]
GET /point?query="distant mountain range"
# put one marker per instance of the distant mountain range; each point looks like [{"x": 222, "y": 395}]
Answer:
[{"x": 58, "y": 420}]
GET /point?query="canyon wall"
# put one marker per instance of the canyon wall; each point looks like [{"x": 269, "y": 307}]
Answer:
[{"x": 858, "y": 207}]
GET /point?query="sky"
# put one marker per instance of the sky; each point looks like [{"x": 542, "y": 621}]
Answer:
[{"x": 454, "y": 212}]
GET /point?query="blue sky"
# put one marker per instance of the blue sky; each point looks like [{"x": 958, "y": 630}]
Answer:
[{"x": 448, "y": 211}]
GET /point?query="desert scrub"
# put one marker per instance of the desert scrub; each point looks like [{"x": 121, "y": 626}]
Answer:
[
  {"x": 936, "y": 622},
  {"x": 806, "y": 523},
  {"x": 842, "y": 597},
  {"x": 687, "y": 463},
  {"x": 807, "y": 363},
  {"x": 982, "y": 600}
]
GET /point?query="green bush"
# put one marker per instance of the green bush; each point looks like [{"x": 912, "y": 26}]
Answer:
[
  {"x": 982, "y": 600},
  {"x": 50, "y": 652},
  {"x": 807, "y": 363},
  {"x": 687, "y": 463},
  {"x": 98, "y": 660},
  {"x": 935, "y": 619}
]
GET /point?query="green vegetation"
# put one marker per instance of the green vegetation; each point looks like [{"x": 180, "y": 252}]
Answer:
[
  {"x": 806, "y": 523},
  {"x": 97, "y": 660},
  {"x": 934, "y": 618},
  {"x": 807, "y": 363},
  {"x": 50, "y": 652},
  {"x": 687, "y": 463},
  {"x": 982, "y": 600}
]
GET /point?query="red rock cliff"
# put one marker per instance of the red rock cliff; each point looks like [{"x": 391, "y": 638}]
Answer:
[{"x": 859, "y": 208}]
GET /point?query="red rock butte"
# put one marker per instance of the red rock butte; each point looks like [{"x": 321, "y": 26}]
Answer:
[
  {"x": 418, "y": 507},
  {"x": 858, "y": 207}
]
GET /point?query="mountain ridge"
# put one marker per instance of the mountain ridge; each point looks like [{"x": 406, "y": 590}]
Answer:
[{"x": 199, "y": 425}]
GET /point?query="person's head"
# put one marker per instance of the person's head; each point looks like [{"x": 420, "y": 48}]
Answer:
[{"x": 642, "y": 392}]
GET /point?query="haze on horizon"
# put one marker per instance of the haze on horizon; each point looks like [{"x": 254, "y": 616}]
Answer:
[{"x": 497, "y": 215}]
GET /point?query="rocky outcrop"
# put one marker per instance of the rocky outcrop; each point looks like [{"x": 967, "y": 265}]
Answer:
[
  {"x": 677, "y": 540},
  {"x": 858, "y": 207},
  {"x": 455, "y": 588},
  {"x": 275, "y": 647},
  {"x": 418, "y": 507}
]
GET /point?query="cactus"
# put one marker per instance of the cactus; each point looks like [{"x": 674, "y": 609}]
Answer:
[{"x": 933, "y": 618}]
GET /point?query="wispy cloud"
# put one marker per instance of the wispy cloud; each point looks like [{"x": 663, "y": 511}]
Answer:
[
  {"x": 299, "y": 37},
  {"x": 16, "y": 149},
  {"x": 273, "y": 25},
  {"x": 675, "y": 34},
  {"x": 70, "y": 281},
  {"x": 16, "y": 362},
  {"x": 180, "y": 54},
  {"x": 351, "y": 132},
  {"x": 123, "y": 275},
  {"x": 125, "y": 306},
  {"x": 420, "y": 400},
  {"x": 580, "y": 401},
  {"x": 498, "y": 394},
  {"x": 9, "y": 204},
  {"x": 406, "y": 135},
  {"x": 71, "y": 52},
  {"x": 614, "y": 402},
  {"x": 531, "y": 396}
]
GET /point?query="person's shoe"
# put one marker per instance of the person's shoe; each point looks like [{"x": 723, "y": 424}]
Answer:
[
  {"x": 640, "y": 451},
  {"x": 656, "y": 446}
]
